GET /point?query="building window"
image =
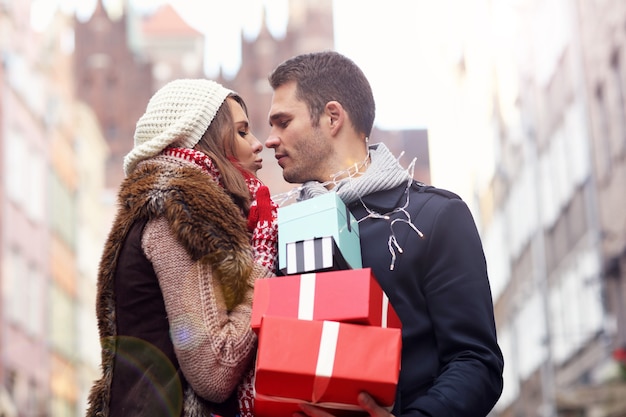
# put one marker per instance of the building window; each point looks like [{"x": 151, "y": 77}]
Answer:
[
  {"x": 24, "y": 176},
  {"x": 603, "y": 142},
  {"x": 36, "y": 186},
  {"x": 23, "y": 293},
  {"x": 62, "y": 322},
  {"x": 15, "y": 173},
  {"x": 10, "y": 381},
  {"x": 35, "y": 307},
  {"x": 14, "y": 287},
  {"x": 62, "y": 213},
  {"x": 618, "y": 82}
]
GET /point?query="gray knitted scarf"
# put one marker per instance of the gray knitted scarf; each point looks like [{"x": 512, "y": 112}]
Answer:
[{"x": 384, "y": 173}]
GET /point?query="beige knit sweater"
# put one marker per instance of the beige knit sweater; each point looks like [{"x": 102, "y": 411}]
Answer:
[{"x": 214, "y": 346}]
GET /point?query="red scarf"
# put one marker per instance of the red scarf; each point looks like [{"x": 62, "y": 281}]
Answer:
[
  {"x": 253, "y": 182},
  {"x": 198, "y": 158}
]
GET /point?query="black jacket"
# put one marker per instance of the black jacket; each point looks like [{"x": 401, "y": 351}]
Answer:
[{"x": 451, "y": 362}]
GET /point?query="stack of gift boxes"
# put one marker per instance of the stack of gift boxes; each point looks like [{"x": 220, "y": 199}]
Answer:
[{"x": 326, "y": 329}]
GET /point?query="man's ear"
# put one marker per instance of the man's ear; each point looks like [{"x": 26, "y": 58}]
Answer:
[{"x": 335, "y": 116}]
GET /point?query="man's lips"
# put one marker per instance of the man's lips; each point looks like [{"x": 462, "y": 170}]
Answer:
[{"x": 280, "y": 157}]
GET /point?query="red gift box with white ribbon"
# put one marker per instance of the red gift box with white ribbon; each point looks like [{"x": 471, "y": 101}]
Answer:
[
  {"x": 324, "y": 363},
  {"x": 348, "y": 296}
]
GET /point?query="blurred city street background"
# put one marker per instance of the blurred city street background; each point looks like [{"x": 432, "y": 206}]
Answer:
[{"x": 518, "y": 106}]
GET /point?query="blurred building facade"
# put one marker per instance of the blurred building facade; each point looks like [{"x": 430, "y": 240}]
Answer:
[
  {"x": 6, "y": 401},
  {"x": 94, "y": 214},
  {"x": 113, "y": 76},
  {"x": 26, "y": 359},
  {"x": 175, "y": 48},
  {"x": 40, "y": 348},
  {"x": 603, "y": 46},
  {"x": 61, "y": 292},
  {"x": 550, "y": 201}
]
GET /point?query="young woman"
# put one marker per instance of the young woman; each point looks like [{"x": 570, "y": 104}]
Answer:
[{"x": 193, "y": 231}]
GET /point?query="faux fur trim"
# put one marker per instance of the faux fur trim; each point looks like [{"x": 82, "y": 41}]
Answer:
[
  {"x": 202, "y": 216},
  {"x": 204, "y": 219}
]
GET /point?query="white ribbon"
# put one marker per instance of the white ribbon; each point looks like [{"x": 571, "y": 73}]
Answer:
[
  {"x": 306, "y": 298},
  {"x": 328, "y": 347},
  {"x": 383, "y": 320}
]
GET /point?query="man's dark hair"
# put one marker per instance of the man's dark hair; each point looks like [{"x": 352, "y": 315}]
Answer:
[{"x": 326, "y": 76}]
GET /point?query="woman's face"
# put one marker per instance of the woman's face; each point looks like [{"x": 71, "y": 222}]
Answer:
[{"x": 247, "y": 146}]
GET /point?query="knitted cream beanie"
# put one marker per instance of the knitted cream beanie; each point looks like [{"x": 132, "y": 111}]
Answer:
[{"x": 178, "y": 114}]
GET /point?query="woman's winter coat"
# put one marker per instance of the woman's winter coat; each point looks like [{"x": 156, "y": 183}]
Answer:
[{"x": 174, "y": 297}]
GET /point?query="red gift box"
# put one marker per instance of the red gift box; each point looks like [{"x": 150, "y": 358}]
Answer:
[
  {"x": 324, "y": 363},
  {"x": 348, "y": 296},
  {"x": 266, "y": 407}
]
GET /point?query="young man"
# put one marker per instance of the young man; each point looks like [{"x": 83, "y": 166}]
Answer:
[{"x": 421, "y": 242}]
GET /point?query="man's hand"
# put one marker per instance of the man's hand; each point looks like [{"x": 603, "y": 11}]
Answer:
[
  {"x": 366, "y": 402},
  {"x": 373, "y": 409}
]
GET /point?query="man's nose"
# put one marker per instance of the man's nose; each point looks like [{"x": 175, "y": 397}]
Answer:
[{"x": 272, "y": 141}]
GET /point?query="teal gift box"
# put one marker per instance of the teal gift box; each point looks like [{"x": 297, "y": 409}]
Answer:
[{"x": 321, "y": 216}]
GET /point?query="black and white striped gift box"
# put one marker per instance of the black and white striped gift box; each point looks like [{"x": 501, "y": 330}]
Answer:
[{"x": 314, "y": 255}]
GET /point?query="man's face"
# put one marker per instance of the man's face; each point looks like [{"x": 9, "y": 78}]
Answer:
[{"x": 301, "y": 149}]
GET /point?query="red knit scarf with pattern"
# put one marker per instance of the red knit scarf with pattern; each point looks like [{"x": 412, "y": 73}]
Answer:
[{"x": 199, "y": 158}]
